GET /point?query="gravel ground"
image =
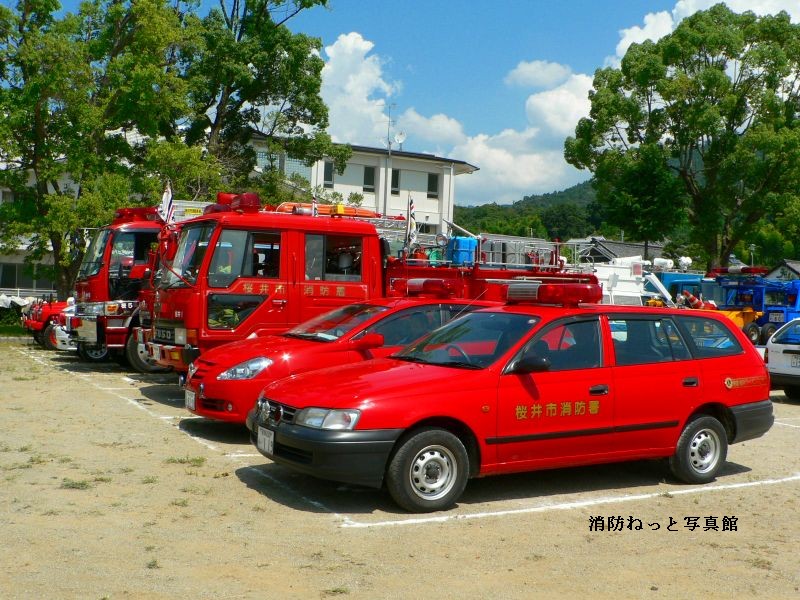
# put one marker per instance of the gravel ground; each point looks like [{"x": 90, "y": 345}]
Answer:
[{"x": 112, "y": 490}]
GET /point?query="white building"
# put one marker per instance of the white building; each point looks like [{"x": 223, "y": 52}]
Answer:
[{"x": 387, "y": 179}]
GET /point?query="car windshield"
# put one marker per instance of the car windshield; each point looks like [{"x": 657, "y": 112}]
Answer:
[
  {"x": 192, "y": 248},
  {"x": 789, "y": 334},
  {"x": 93, "y": 259},
  {"x": 473, "y": 341},
  {"x": 336, "y": 323}
]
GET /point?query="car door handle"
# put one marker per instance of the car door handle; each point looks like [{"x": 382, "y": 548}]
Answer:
[
  {"x": 690, "y": 382},
  {"x": 598, "y": 390},
  {"x": 278, "y": 302}
]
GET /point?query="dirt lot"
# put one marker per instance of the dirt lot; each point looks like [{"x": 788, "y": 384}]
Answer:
[{"x": 111, "y": 490}]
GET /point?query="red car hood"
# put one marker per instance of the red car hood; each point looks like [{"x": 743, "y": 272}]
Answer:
[
  {"x": 233, "y": 353},
  {"x": 356, "y": 385}
]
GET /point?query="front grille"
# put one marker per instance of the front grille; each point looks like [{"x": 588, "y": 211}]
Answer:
[
  {"x": 201, "y": 368},
  {"x": 280, "y": 413},
  {"x": 211, "y": 404}
]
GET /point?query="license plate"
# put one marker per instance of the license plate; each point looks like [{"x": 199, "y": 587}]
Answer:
[
  {"x": 776, "y": 317},
  {"x": 795, "y": 360},
  {"x": 266, "y": 440},
  {"x": 189, "y": 398}
]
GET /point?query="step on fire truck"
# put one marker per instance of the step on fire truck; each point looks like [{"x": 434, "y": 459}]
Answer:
[{"x": 239, "y": 271}]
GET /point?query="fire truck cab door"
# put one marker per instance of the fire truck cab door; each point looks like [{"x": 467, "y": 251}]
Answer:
[{"x": 247, "y": 282}]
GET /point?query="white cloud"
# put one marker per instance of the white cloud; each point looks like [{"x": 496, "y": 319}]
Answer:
[
  {"x": 511, "y": 167},
  {"x": 538, "y": 73},
  {"x": 439, "y": 128},
  {"x": 354, "y": 89},
  {"x": 656, "y": 25},
  {"x": 558, "y": 110}
]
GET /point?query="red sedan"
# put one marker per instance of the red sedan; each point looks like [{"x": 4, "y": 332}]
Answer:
[{"x": 224, "y": 382}]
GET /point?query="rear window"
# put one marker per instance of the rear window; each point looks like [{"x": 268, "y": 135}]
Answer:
[
  {"x": 789, "y": 334},
  {"x": 710, "y": 338}
]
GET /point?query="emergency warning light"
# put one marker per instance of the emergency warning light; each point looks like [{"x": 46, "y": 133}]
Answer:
[{"x": 564, "y": 294}]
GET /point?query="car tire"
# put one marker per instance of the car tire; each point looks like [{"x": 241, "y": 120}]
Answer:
[
  {"x": 767, "y": 331},
  {"x": 49, "y": 337},
  {"x": 752, "y": 331},
  {"x": 93, "y": 354},
  {"x": 701, "y": 450},
  {"x": 37, "y": 337},
  {"x": 137, "y": 360},
  {"x": 441, "y": 457},
  {"x": 792, "y": 392}
]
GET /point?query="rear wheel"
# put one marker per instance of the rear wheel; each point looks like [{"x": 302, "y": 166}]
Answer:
[
  {"x": 792, "y": 392},
  {"x": 429, "y": 471},
  {"x": 767, "y": 331},
  {"x": 701, "y": 451},
  {"x": 752, "y": 331},
  {"x": 37, "y": 337},
  {"x": 94, "y": 354},
  {"x": 49, "y": 337},
  {"x": 137, "y": 357}
]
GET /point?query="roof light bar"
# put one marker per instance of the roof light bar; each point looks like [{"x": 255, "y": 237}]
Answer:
[{"x": 565, "y": 294}]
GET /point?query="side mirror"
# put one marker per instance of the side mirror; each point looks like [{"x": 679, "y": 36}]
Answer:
[
  {"x": 367, "y": 342},
  {"x": 529, "y": 364}
]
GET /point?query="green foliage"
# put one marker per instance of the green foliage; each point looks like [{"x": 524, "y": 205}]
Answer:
[
  {"x": 558, "y": 215},
  {"x": 96, "y": 106},
  {"x": 709, "y": 114}
]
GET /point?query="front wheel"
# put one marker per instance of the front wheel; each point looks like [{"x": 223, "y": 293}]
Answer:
[
  {"x": 137, "y": 357},
  {"x": 701, "y": 451},
  {"x": 429, "y": 471},
  {"x": 49, "y": 337},
  {"x": 94, "y": 354}
]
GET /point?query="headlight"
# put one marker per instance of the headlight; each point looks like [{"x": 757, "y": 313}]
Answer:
[
  {"x": 95, "y": 309},
  {"x": 180, "y": 336},
  {"x": 246, "y": 370},
  {"x": 325, "y": 418}
]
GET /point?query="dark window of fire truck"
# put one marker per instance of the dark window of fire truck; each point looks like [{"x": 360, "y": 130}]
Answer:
[
  {"x": 128, "y": 248},
  {"x": 240, "y": 253},
  {"x": 93, "y": 259},
  {"x": 188, "y": 259},
  {"x": 333, "y": 258}
]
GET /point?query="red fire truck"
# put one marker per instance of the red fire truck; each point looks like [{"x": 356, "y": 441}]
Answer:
[
  {"x": 111, "y": 276},
  {"x": 239, "y": 271},
  {"x": 41, "y": 319}
]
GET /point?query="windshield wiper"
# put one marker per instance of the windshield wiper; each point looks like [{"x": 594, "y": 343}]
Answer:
[
  {"x": 460, "y": 365},
  {"x": 413, "y": 359}
]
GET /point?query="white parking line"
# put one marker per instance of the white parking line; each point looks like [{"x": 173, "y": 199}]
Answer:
[
  {"x": 787, "y": 425},
  {"x": 350, "y": 523}
]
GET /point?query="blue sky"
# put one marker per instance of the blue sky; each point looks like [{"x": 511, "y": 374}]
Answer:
[{"x": 498, "y": 84}]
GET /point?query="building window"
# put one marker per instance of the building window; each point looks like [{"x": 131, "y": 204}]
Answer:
[
  {"x": 369, "y": 179},
  {"x": 328, "y": 176},
  {"x": 433, "y": 185},
  {"x": 396, "y": 182},
  {"x": 6, "y": 196}
]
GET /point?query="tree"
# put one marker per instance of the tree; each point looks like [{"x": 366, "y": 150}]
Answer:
[
  {"x": 719, "y": 100},
  {"x": 72, "y": 90},
  {"x": 249, "y": 74}
]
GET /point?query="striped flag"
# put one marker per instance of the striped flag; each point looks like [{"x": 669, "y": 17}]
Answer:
[
  {"x": 411, "y": 236},
  {"x": 167, "y": 208}
]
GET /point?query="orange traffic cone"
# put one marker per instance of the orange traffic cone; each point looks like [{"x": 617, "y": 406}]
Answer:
[{"x": 694, "y": 301}]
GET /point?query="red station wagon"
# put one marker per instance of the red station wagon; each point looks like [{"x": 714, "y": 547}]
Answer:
[{"x": 542, "y": 382}]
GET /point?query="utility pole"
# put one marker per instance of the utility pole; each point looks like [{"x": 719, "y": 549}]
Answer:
[{"x": 388, "y": 179}]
